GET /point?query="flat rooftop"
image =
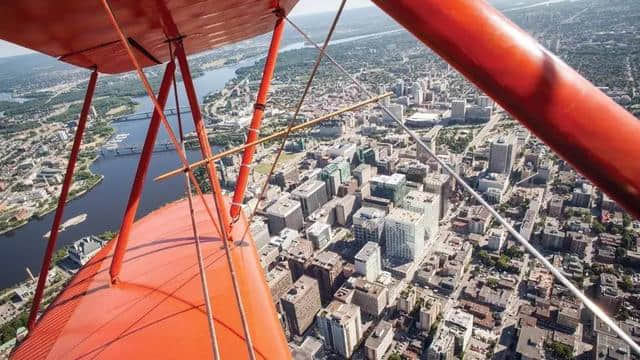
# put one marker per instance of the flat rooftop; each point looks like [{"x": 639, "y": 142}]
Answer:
[
  {"x": 283, "y": 207},
  {"x": 367, "y": 250}
]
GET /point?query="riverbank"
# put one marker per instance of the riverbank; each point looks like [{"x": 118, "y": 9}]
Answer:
[
  {"x": 89, "y": 181},
  {"x": 53, "y": 204}
]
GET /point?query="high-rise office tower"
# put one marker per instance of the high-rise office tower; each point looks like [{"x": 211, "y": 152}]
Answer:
[
  {"x": 368, "y": 225},
  {"x": 368, "y": 261},
  {"x": 286, "y": 213},
  {"x": 327, "y": 269},
  {"x": 417, "y": 93},
  {"x": 501, "y": 156},
  {"x": 341, "y": 327},
  {"x": 319, "y": 234},
  {"x": 300, "y": 304},
  {"x": 427, "y": 204},
  {"x": 312, "y": 194},
  {"x": 458, "y": 109},
  {"x": 392, "y": 187},
  {"x": 404, "y": 234}
]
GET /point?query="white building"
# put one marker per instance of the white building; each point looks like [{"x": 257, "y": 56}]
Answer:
[
  {"x": 493, "y": 181},
  {"x": 285, "y": 239},
  {"x": 84, "y": 249},
  {"x": 319, "y": 234},
  {"x": 427, "y": 204},
  {"x": 368, "y": 261},
  {"x": 341, "y": 327},
  {"x": 386, "y": 101},
  {"x": 497, "y": 237},
  {"x": 442, "y": 347},
  {"x": 368, "y": 225},
  {"x": 417, "y": 93},
  {"x": 460, "y": 324},
  {"x": 404, "y": 234}
]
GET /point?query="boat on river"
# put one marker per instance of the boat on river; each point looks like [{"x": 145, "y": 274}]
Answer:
[{"x": 71, "y": 222}]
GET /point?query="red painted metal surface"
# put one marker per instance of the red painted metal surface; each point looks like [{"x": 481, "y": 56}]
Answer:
[
  {"x": 205, "y": 148},
  {"x": 141, "y": 172},
  {"x": 64, "y": 192},
  {"x": 256, "y": 121},
  {"x": 157, "y": 310},
  {"x": 78, "y": 32},
  {"x": 579, "y": 122}
]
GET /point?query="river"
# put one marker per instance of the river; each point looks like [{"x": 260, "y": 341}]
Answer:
[{"x": 104, "y": 204}]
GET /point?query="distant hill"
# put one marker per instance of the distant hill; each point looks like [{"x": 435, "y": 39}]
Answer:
[
  {"x": 354, "y": 22},
  {"x": 27, "y": 63}
]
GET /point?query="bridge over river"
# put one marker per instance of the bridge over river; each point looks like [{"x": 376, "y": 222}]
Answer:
[
  {"x": 132, "y": 149},
  {"x": 147, "y": 115},
  {"x": 167, "y": 112}
]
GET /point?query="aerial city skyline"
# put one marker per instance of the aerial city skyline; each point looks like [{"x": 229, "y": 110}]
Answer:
[{"x": 369, "y": 246}]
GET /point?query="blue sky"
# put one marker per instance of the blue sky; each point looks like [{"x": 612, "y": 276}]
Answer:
[{"x": 304, "y": 7}]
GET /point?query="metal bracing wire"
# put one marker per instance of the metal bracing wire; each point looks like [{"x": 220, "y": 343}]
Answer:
[
  {"x": 597, "y": 311},
  {"x": 295, "y": 114},
  {"x": 158, "y": 108},
  {"x": 181, "y": 155},
  {"x": 219, "y": 203},
  {"x": 274, "y": 136},
  {"x": 196, "y": 236}
]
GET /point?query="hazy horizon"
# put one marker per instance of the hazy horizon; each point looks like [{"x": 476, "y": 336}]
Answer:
[{"x": 304, "y": 7}]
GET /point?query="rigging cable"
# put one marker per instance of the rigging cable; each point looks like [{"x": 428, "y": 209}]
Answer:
[
  {"x": 296, "y": 113},
  {"x": 196, "y": 235},
  {"x": 183, "y": 160},
  {"x": 589, "y": 304},
  {"x": 158, "y": 108}
]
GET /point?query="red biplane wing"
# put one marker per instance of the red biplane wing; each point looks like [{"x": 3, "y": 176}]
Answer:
[{"x": 79, "y": 32}]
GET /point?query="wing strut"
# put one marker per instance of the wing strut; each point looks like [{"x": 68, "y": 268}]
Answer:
[
  {"x": 116, "y": 264},
  {"x": 64, "y": 192},
  {"x": 143, "y": 166},
  {"x": 292, "y": 120},
  {"x": 258, "y": 113},
  {"x": 532, "y": 250}
]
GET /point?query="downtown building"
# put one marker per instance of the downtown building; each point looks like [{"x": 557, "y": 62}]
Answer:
[
  {"x": 368, "y": 225},
  {"x": 501, "y": 156},
  {"x": 404, "y": 235},
  {"x": 392, "y": 188},
  {"x": 285, "y": 213},
  {"x": 334, "y": 174},
  {"x": 341, "y": 327},
  {"x": 312, "y": 194},
  {"x": 379, "y": 341},
  {"x": 396, "y": 110},
  {"x": 368, "y": 261},
  {"x": 458, "y": 109},
  {"x": 439, "y": 184},
  {"x": 327, "y": 268},
  {"x": 426, "y": 204},
  {"x": 300, "y": 304},
  {"x": 319, "y": 234}
]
